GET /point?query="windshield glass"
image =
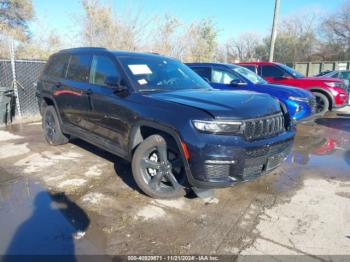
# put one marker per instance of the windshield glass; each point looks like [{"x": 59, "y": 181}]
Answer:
[
  {"x": 291, "y": 71},
  {"x": 248, "y": 74},
  {"x": 159, "y": 73}
]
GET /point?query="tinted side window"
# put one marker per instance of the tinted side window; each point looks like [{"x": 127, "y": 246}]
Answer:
[
  {"x": 79, "y": 68},
  {"x": 345, "y": 74},
  {"x": 57, "y": 66},
  {"x": 204, "y": 72},
  {"x": 101, "y": 68},
  {"x": 250, "y": 67},
  {"x": 222, "y": 77},
  {"x": 271, "y": 71}
]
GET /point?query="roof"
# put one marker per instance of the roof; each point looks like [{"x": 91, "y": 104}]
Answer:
[
  {"x": 210, "y": 64},
  {"x": 102, "y": 49},
  {"x": 257, "y": 63}
]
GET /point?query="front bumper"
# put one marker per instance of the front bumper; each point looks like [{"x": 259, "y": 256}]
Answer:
[
  {"x": 300, "y": 111},
  {"x": 223, "y": 163}
]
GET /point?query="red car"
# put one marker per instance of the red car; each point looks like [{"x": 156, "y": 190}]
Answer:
[{"x": 329, "y": 92}]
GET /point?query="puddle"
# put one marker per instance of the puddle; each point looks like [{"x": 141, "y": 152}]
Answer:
[{"x": 34, "y": 221}]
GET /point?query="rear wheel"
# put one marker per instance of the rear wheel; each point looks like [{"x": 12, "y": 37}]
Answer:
[
  {"x": 52, "y": 128},
  {"x": 158, "y": 168},
  {"x": 322, "y": 103}
]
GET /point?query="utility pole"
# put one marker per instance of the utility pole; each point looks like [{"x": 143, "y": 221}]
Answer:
[{"x": 274, "y": 30}]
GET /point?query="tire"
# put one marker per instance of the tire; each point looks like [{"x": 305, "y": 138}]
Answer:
[
  {"x": 51, "y": 126},
  {"x": 322, "y": 103},
  {"x": 154, "y": 173}
]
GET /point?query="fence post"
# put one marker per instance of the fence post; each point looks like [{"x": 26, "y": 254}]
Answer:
[{"x": 14, "y": 80}]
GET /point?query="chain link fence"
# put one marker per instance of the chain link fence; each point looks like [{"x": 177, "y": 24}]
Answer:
[{"x": 21, "y": 80}]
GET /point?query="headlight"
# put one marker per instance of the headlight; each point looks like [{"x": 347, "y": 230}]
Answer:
[
  {"x": 335, "y": 84},
  {"x": 224, "y": 127},
  {"x": 330, "y": 84},
  {"x": 299, "y": 99}
]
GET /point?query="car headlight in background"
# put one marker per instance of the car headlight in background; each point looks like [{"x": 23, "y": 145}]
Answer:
[
  {"x": 299, "y": 99},
  {"x": 330, "y": 84},
  {"x": 335, "y": 84},
  {"x": 224, "y": 127}
]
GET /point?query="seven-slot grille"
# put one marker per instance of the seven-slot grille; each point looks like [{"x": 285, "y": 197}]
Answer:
[{"x": 264, "y": 127}]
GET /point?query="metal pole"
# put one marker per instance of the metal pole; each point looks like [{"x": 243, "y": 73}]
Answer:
[
  {"x": 14, "y": 80},
  {"x": 274, "y": 30}
]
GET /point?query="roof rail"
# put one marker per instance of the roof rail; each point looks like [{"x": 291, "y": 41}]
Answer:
[{"x": 83, "y": 48}]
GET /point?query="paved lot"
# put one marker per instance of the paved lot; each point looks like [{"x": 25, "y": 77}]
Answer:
[{"x": 79, "y": 199}]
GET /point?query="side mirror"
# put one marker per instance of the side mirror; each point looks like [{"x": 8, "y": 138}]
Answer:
[
  {"x": 237, "y": 82},
  {"x": 115, "y": 83}
]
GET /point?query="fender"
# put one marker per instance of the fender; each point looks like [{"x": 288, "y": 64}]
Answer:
[
  {"x": 49, "y": 96},
  {"x": 135, "y": 138},
  {"x": 322, "y": 90}
]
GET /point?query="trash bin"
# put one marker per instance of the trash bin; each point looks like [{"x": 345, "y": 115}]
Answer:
[{"x": 6, "y": 105}]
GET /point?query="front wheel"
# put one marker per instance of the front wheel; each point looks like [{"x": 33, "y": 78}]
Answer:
[
  {"x": 322, "y": 103},
  {"x": 158, "y": 169}
]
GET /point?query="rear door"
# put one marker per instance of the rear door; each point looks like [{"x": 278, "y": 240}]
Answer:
[
  {"x": 72, "y": 94},
  {"x": 221, "y": 78},
  {"x": 52, "y": 78}
]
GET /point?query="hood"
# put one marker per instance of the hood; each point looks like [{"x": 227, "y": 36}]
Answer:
[
  {"x": 321, "y": 78},
  {"x": 223, "y": 104},
  {"x": 284, "y": 91}
]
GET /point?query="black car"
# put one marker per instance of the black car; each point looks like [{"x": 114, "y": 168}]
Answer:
[{"x": 155, "y": 112}]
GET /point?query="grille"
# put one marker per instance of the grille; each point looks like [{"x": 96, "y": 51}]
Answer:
[
  {"x": 217, "y": 171},
  {"x": 252, "y": 171},
  {"x": 312, "y": 103},
  {"x": 264, "y": 127},
  {"x": 272, "y": 149}
]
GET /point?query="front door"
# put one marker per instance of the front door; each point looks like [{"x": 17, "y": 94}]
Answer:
[{"x": 109, "y": 117}]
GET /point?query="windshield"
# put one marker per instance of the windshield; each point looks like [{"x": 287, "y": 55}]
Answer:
[
  {"x": 248, "y": 74},
  {"x": 291, "y": 71},
  {"x": 160, "y": 74}
]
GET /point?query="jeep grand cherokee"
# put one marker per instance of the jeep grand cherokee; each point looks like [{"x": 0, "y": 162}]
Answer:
[{"x": 177, "y": 132}]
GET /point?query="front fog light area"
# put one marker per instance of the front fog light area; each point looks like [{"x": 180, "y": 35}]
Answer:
[{"x": 226, "y": 127}]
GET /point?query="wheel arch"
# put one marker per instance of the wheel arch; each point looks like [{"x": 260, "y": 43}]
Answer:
[
  {"x": 145, "y": 128},
  {"x": 325, "y": 92},
  {"x": 50, "y": 101}
]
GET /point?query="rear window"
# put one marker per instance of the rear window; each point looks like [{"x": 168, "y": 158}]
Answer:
[
  {"x": 271, "y": 71},
  {"x": 57, "y": 65},
  {"x": 250, "y": 67},
  {"x": 79, "y": 68},
  {"x": 204, "y": 72}
]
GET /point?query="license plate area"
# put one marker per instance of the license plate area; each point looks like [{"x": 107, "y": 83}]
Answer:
[{"x": 274, "y": 161}]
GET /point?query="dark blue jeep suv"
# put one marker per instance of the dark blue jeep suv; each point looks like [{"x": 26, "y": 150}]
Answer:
[
  {"x": 177, "y": 131},
  {"x": 301, "y": 104}
]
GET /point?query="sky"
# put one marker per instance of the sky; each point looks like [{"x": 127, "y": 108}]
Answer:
[{"x": 230, "y": 16}]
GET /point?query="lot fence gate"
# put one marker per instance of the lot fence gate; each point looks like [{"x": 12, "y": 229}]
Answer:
[{"x": 313, "y": 68}]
